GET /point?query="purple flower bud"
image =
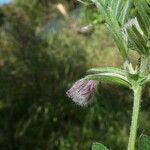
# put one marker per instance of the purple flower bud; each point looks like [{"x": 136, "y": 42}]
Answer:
[{"x": 81, "y": 91}]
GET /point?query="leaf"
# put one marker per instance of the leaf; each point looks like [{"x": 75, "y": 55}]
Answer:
[
  {"x": 107, "y": 70},
  {"x": 126, "y": 10},
  {"x": 99, "y": 146},
  {"x": 134, "y": 36},
  {"x": 111, "y": 78},
  {"x": 143, "y": 14},
  {"x": 137, "y": 40},
  {"x": 110, "y": 10},
  {"x": 144, "y": 143}
]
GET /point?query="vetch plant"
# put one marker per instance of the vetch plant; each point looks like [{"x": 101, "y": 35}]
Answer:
[{"x": 129, "y": 24}]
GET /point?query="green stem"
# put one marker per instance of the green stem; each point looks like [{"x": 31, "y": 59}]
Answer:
[{"x": 136, "y": 108}]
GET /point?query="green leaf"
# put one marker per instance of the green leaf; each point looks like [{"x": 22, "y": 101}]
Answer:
[
  {"x": 144, "y": 143},
  {"x": 143, "y": 14},
  {"x": 107, "y": 70},
  {"x": 126, "y": 10},
  {"x": 137, "y": 40},
  {"x": 110, "y": 77},
  {"x": 99, "y": 146},
  {"x": 110, "y": 10}
]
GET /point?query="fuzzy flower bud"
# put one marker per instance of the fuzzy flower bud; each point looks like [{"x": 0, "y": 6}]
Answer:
[{"x": 81, "y": 91}]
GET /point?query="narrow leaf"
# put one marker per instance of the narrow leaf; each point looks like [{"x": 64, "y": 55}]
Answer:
[
  {"x": 143, "y": 9},
  {"x": 108, "y": 10},
  {"x": 111, "y": 78},
  {"x": 117, "y": 7},
  {"x": 126, "y": 10},
  {"x": 137, "y": 40},
  {"x": 107, "y": 70}
]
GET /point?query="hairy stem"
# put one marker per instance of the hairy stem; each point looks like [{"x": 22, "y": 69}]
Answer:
[{"x": 134, "y": 124}]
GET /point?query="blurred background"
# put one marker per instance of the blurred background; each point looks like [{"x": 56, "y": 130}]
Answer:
[{"x": 45, "y": 46}]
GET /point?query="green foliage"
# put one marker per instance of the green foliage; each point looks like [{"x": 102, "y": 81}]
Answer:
[
  {"x": 33, "y": 79},
  {"x": 137, "y": 29},
  {"x": 109, "y": 75},
  {"x": 143, "y": 15},
  {"x": 137, "y": 40},
  {"x": 107, "y": 70},
  {"x": 144, "y": 142},
  {"x": 114, "y": 13},
  {"x": 98, "y": 146},
  {"x": 35, "y": 72},
  {"x": 127, "y": 35}
]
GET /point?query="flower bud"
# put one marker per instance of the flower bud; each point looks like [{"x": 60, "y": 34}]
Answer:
[{"x": 81, "y": 91}]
